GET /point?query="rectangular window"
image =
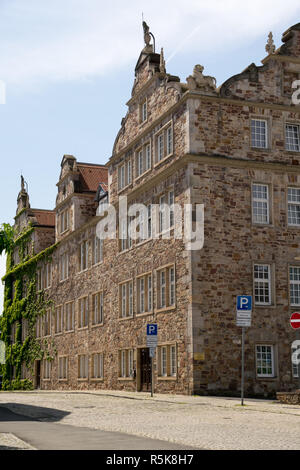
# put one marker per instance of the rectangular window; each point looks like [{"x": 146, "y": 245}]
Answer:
[
  {"x": 98, "y": 250},
  {"x": 47, "y": 369},
  {"x": 97, "y": 308},
  {"x": 39, "y": 327},
  {"x": 63, "y": 368},
  {"x": 173, "y": 365},
  {"x": 260, "y": 203},
  {"x": 64, "y": 267},
  {"x": 295, "y": 367},
  {"x": 294, "y": 285},
  {"x": 259, "y": 136},
  {"x": 169, "y": 140},
  {"x": 64, "y": 221},
  {"x": 47, "y": 323},
  {"x": 166, "y": 211},
  {"x": 58, "y": 319},
  {"x": 47, "y": 275},
  {"x": 24, "y": 329},
  {"x": 264, "y": 360},
  {"x": 166, "y": 294},
  {"x": 292, "y": 137},
  {"x": 83, "y": 312},
  {"x": 83, "y": 255},
  {"x": 126, "y": 361},
  {"x": 160, "y": 147},
  {"x": 97, "y": 366},
  {"x": 294, "y": 206},
  {"x": 143, "y": 160},
  {"x": 144, "y": 111},
  {"x": 126, "y": 299},
  {"x": 144, "y": 293},
  {"x": 262, "y": 284},
  {"x": 164, "y": 145},
  {"x": 83, "y": 366},
  {"x": 163, "y": 356},
  {"x": 124, "y": 174},
  {"x": 149, "y": 221},
  {"x": 69, "y": 316}
]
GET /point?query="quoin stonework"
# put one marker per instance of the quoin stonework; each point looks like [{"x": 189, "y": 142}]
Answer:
[{"x": 236, "y": 151}]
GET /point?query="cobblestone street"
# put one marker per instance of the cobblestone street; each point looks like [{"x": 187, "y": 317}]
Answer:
[{"x": 201, "y": 422}]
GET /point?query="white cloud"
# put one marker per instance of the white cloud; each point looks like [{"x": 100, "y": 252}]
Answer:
[
  {"x": 2, "y": 272},
  {"x": 79, "y": 39}
]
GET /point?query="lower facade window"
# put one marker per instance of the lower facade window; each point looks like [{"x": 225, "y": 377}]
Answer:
[
  {"x": 97, "y": 308},
  {"x": 144, "y": 293},
  {"x": 63, "y": 368},
  {"x": 295, "y": 285},
  {"x": 295, "y": 367},
  {"x": 59, "y": 319},
  {"x": 126, "y": 299},
  {"x": 97, "y": 366},
  {"x": 167, "y": 360},
  {"x": 126, "y": 358},
  {"x": 264, "y": 360},
  {"x": 83, "y": 366},
  {"x": 166, "y": 287},
  {"x": 47, "y": 369}
]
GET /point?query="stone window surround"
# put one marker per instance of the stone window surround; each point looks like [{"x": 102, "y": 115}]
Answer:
[
  {"x": 142, "y": 102},
  {"x": 170, "y": 307},
  {"x": 136, "y": 152},
  {"x": 67, "y": 274},
  {"x": 70, "y": 302},
  {"x": 129, "y": 181},
  {"x": 45, "y": 361},
  {"x": 94, "y": 325},
  {"x": 87, "y": 364},
  {"x": 168, "y": 345},
  {"x": 128, "y": 377},
  {"x": 272, "y": 283},
  {"x": 96, "y": 379},
  {"x": 79, "y": 312},
  {"x": 166, "y": 193},
  {"x": 64, "y": 215},
  {"x": 87, "y": 253},
  {"x": 293, "y": 186},
  {"x": 60, "y": 306},
  {"x": 293, "y": 122},
  {"x": 66, "y": 357},
  {"x": 120, "y": 284},
  {"x": 155, "y": 136},
  {"x": 291, "y": 265},
  {"x": 268, "y": 120},
  {"x": 270, "y": 204},
  {"x": 145, "y": 275},
  {"x": 274, "y": 357}
]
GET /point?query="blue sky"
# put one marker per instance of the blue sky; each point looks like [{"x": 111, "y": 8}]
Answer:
[{"x": 68, "y": 66}]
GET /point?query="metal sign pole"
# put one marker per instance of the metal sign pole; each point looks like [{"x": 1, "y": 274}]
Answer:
[
  {"x": 243, "y": 366},
  {"x": 298, "y": 338},
  {"x": 152, "y": 377}
]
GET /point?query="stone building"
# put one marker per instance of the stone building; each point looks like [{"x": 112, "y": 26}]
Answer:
[{"x": 234, "y": 149}]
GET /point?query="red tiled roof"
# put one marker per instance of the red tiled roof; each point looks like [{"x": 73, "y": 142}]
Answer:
[
  {"x": 44, "y": 217},
  {"x": 91, "y": 176}
]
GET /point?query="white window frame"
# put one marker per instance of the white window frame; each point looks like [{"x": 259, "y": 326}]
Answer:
[
  {"x": 63, "y": 367},
  {"x": 263, "y": 201},
  {"x": 83, "y": 312},
  {"x": 97, "y": 366},
  {"x": 255, "y": 143},
  {"x": 292, "y": 203},
  {"x": 287, "y": 137},
  {"x": 268, "y": 282},
  {"x": 83, "y": 366},
  {"x": 262, "y": 375},
  {"x": 294, "y": 283},
  {"x": 69, "y": 316}
]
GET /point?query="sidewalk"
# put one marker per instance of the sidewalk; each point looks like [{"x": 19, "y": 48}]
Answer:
[{"x": 204, "y": 422}]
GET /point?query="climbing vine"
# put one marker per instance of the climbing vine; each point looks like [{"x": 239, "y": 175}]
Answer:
[{"x": 23, "y": 305}]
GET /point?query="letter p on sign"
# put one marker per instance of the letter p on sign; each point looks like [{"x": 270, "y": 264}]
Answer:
[{"x": 244, "y": 303}]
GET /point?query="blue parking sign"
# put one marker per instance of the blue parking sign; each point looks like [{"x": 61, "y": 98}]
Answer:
[
  {"x": 244, "y": 303},
  {"x": 152, "y": 329}
]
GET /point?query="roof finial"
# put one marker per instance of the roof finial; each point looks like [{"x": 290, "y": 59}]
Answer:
[
  {"x": 22, "y": 184},
  {"x": 270, "y": 46},
  {"x": 147, "y": 36},
  {"x": 162, "y": 64}
]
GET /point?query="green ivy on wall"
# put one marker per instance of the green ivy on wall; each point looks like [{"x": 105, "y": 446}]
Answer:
[{"x": 22, "y": 301}]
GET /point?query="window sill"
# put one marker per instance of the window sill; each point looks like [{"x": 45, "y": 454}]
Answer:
[
  {"x": 44, "y": 380},
  {"x": 124, "y": 379},
  {"x": 124, "y": 251},
  {"x": 163, "y": 159},
  {"x": 85, "y": 379},
  {"x": 126, "y": 318},
  {"x": 58, "y": 334},
  {"x": 121, "y": 190},
  {"x": 97, "y": 380},
  {"x": 168, "y": 378},
  {"x": 165, "y": 309},
  {"x": 147, "y": 240},
  {"x": 81, "y": 328},
  {"x": 63, "y": 380},
  {"x": 144, "y": 314},
  {"x": 69, "y": 331},
  {"x": 97, "y": 325},
  {"x": 137, "y": 179}
]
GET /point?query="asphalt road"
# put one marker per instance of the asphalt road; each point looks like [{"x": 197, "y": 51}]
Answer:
[{"x": 52, "y": 436}]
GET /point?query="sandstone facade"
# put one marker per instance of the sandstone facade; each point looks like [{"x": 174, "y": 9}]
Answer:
[{"x": 195, "y": 142}]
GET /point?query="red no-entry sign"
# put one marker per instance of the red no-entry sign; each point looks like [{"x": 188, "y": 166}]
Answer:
[{"x": 295, "y": 320}]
